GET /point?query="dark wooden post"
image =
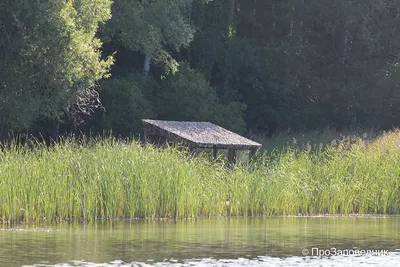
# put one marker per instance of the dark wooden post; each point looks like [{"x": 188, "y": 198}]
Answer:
[
  {"x": 54, "y": 133},
  {"x": 193, "y": 150},
  {"x": 146, "y": 133},
  {"x": 252, "y": 153},
  {"x": 215, "y": 152},
  {"x": 232, "y": 156}
]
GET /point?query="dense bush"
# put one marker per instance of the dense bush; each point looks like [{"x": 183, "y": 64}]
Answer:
[
  {"x": 187, "y": 95},
  {"x": 125, "y": 104}
]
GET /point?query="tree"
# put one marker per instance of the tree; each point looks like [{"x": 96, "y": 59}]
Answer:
[
  {"x": 154, "y": 28},
  {"x": 187, "y": 95},
  {"x": 49, "y": 57},
  {"x": 125, "y": 103},
  {"x": 330, "y": 62}
]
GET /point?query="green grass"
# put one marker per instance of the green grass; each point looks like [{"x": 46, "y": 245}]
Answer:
[{"x": 110, "y": 179}]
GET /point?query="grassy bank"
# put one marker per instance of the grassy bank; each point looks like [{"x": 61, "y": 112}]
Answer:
[{"x": 115, "y": 179}]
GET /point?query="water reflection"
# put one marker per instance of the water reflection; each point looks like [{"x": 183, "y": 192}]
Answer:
[{"x": 154, "y": 242}]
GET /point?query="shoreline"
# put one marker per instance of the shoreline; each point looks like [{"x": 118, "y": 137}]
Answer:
[{"x": 204, "y": 218}]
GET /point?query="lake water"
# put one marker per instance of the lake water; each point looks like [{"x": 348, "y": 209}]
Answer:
[{"x": 217, "y": 242}]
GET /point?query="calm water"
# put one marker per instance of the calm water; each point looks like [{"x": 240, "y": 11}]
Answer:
[{"x": 234, "y": 242}]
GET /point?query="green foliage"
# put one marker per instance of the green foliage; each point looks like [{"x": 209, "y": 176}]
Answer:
[
  {"x": 48, "y": 56},
  {"x": 278, "y": 65},
  {"x": 230, "y": 115},
  {"x": 151, "y": 27},
  {"x": 300, "y": 66},
  {"x": 187, "y": 95},
  {"x": 125, "y": 104},
  {"x": 331, "y": 63}
]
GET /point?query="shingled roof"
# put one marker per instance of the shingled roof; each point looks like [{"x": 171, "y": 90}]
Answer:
[{"x": 200, "y": 134}]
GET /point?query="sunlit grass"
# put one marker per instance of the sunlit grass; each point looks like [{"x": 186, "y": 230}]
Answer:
[{"x": 110, "y": 179}]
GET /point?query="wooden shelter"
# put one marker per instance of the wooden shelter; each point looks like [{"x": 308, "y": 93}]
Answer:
[{"x": 198, "y": 135}]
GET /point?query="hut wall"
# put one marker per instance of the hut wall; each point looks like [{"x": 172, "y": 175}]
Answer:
[{"x": 157, "y": 136}]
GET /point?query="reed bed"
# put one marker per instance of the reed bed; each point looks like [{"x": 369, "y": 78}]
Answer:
[{"x": 107, "y": 179}]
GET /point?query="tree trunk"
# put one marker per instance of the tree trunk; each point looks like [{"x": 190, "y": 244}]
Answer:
[
  {"x": 340, "y": 40},
  {"x": 147, "y": 57},
  {"x": 394, "y": 31},
  {"x": 231, "y": 14},
  {"x": 146, "y": 64}
]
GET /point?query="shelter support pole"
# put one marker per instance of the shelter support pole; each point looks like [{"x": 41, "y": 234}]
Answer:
[
  {"x": 232, "y": 156},
  {"x": 252, "y": 153},
  {"x": 215, "y": 152},
  {"x": 193, "y": 150}
]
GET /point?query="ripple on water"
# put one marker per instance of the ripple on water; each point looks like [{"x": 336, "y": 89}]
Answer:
[
  {"x": 392, "y": 259},
  {"x": 29, "y": 230}
]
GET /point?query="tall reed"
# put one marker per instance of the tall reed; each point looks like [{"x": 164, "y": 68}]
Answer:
[{"x": 114, "y": 179}]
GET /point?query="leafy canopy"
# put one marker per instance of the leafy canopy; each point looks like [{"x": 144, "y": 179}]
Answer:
[{"x": 49, "y": 55}]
